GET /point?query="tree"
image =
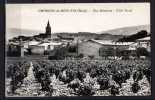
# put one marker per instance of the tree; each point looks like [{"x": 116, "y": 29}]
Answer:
[
  {"x": 141, "y": 51},
  {"x": 91, "y": 56},
  {"x": 58, "y": 54},
  {"x": 72, "y": 49},
  {"x": 119, "y": 52},
  {"x": 80, "y": 55},
  {"x": 133, "y": 37}
]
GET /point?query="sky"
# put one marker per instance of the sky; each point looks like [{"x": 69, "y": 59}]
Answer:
[{"x": 30, "y": 19}]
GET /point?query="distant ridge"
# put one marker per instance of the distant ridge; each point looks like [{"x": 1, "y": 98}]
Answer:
[
  {"x": 127, "y": 30},
  {"x": 113, "y": 34},
  {"x": 15, "y": 32}
]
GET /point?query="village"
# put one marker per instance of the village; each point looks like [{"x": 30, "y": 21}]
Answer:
[{"x": 57, "y": 46}]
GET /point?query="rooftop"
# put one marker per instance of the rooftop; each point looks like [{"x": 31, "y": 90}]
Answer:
[
  {"x": 144, "y": 39},
  {"x": 49, "y": 43},
  {"x": 109, "y": 42}
]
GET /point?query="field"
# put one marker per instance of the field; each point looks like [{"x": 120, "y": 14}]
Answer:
[{"x": 78, "y": 77}]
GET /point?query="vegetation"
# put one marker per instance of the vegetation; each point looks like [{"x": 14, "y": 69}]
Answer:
[
  {"x": 17, "y": 72},
  {"x": 131, "y": 38},
  {"x": 80, "y": 75}
]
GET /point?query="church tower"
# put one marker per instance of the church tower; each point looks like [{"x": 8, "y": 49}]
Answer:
[{"x": 48, "y": 29}]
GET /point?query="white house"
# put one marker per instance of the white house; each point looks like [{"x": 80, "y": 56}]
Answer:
[{"x": 144, "y": 42}]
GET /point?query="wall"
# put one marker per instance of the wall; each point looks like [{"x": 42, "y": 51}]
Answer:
[
  {"x": 89, "y": 48},
  {"x": 37, "y": 50}
]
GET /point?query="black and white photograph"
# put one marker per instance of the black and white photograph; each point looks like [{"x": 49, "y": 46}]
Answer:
[{"x": 78, "y": 49}]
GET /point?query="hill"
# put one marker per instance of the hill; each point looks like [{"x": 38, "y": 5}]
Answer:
[
  {"x": 88, "y": 35},
  {"x": 127, "y": 30}
]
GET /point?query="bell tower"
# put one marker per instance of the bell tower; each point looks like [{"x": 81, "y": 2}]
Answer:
[{"x": 48, "y": 28}]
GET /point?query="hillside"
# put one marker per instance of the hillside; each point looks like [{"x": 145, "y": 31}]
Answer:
[
  {"x": 127, "y": 30},
  {"x": 106, "y": 36},
  {"x": 88, "y": 35},
  {"x": 14, "y": 32},
  {"x": 113, "y": 34}
]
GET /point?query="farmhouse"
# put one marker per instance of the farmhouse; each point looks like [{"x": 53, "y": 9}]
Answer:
[
  {"x": 99, "y": 48},
  {"x": 15, "y": 49},
  {"x": 42, "y": 47},
  {"x": 144, "y": 42}
]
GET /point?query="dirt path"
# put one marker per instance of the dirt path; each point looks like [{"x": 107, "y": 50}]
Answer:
[
  {"x": 30, "y": 75},
  {"x": 29, "y": 87}
]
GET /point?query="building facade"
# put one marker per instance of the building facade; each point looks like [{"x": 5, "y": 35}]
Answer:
[
  {"x": 100, "y": 48},
  {"x": 145, "y": 42}
]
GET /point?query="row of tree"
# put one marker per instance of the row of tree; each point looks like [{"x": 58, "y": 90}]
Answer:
[{"x": 132, "y": 38}]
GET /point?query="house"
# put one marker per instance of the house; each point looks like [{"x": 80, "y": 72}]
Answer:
[
  {"x": 98, "y": 48},
  {"x": 37, "y": 50},
  {"x": 15, "y": 50},
  {"x": 42, "y": 47},
  {"x": 50, "y": 45},
  {"x": 144, "y": 42}
]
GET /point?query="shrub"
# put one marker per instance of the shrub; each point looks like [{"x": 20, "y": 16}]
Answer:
[
  {"x": 114, "y": 90},
  {"x": 86, "y": 90},
  {"x": 135, "y": 87},
  {"x": 103, "y": 82}
]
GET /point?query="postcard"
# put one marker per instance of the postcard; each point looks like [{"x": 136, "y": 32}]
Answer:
[{"x": 78, "y": 49}]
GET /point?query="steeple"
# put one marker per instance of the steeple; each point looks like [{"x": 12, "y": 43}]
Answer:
[
  {"x": 48, "y": 24},
  {"x": 48, "y": 28}
]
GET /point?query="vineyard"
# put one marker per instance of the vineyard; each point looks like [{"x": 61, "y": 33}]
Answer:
[{"x": 79, "y": 78}]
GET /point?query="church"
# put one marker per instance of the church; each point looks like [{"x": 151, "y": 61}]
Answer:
[{"x": 47, "y": 34}]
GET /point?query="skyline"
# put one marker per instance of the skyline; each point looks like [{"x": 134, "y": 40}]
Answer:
[{"x": 28, "y": 17}]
